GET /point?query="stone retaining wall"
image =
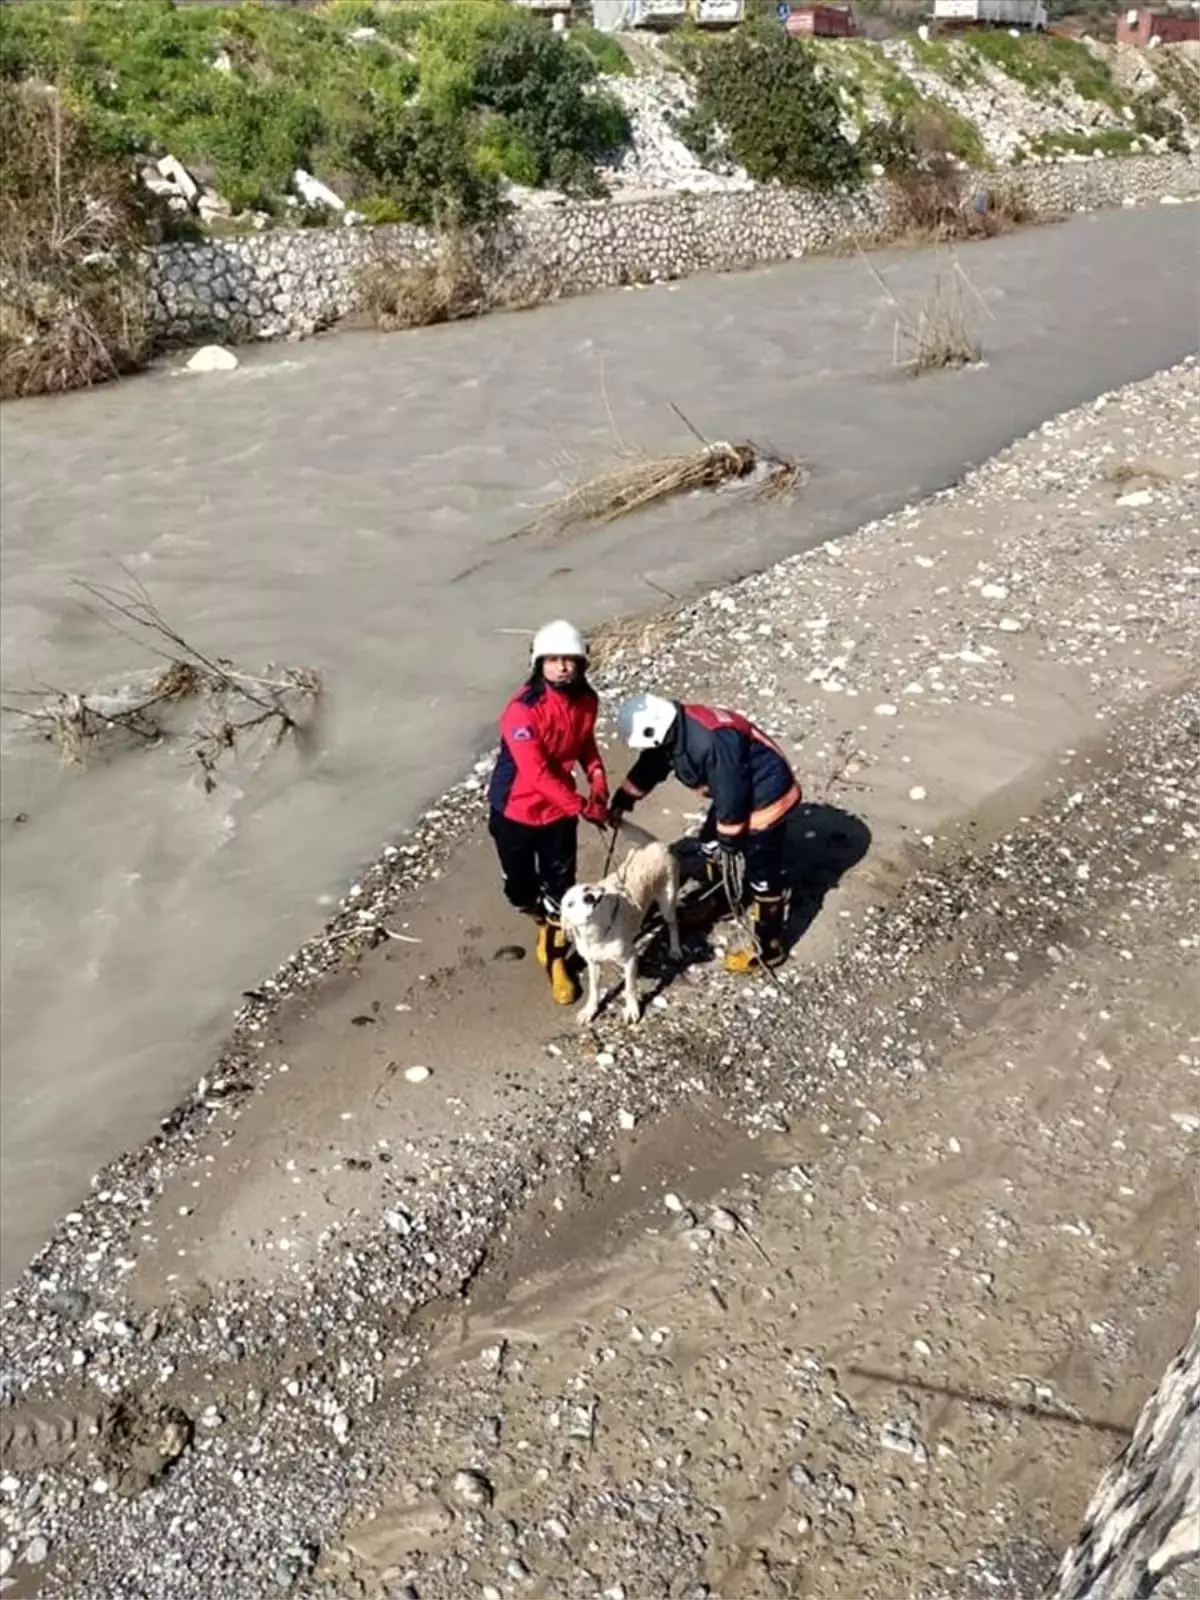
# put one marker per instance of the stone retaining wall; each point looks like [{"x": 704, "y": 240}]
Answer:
[
  {"x": 278, "y": 284},
  {"x": 1144, "y": 1520}
]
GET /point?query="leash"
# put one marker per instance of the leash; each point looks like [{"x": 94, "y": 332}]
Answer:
[
  {"x": 611, "y": 851},
  {"x": 733, "y": 878}
]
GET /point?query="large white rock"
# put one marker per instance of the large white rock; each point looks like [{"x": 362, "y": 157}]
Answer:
[
  {"x": 313, "y": 192},
  {"x": 175, "y": 172},
  {"x": 212, "y": 358}
]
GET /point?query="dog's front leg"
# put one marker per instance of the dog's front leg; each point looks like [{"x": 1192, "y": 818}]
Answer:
[
  {"x": 668, "y": 903},
  {"x": 633, "y": 1010},
  {"x": 591, "y": 1005}
]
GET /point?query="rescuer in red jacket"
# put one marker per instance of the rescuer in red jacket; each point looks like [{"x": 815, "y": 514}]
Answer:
[{"x": 547, "y": 729}]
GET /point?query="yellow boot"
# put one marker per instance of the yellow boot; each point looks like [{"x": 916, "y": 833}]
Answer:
[
  {"x": 766, "y": 917},
  {"x": 562, "y": 985},
  {"x": 543, "y": 944}
]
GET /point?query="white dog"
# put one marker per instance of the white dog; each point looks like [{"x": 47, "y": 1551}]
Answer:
[{"x": 603, "y": 920}]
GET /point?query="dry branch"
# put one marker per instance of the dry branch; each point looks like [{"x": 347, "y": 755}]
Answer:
[{"x": 204, "y": 702}]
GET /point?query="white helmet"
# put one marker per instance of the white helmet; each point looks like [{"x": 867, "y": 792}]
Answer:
[
  {"x": 558, "y": 639},
  {"x": 645, "y": 720}
]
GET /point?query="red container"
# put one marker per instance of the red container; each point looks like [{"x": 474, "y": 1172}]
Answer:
[
  {"x": 1168, "y": 26},
  {"x": 822, "y": 22}
]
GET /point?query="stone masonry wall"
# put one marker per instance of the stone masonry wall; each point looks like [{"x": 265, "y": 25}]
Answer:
[
  {"x": 1143, "y": 1523},
  {"x": 283, "y": 284}
]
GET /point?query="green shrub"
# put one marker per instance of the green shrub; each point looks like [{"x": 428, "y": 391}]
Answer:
[
  {"x": 782, "y": 118},
  {"x": 424, "y": 166},
  {"x": 607, "y": 53},
  {"x": 379, "y": 209},
  {"x": 489, "y": 58},
  {"x": 503, "y": 152},
  {"x": 1153, "y": 118}
]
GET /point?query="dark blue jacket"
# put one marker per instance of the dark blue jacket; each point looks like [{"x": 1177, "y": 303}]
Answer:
[{"x": 724, "y": 756}]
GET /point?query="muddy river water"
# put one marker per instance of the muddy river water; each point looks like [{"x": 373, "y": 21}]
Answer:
[{"x": 346, "y": 504}]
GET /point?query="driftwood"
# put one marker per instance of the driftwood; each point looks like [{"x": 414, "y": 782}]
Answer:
[{"x": 203, "y": 702}]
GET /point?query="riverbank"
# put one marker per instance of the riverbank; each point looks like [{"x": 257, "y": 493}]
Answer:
[{"x": 989, "y": 698}]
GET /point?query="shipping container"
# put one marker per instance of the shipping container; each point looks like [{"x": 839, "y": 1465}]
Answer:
[
  {"x": 1028, "y": 14},
  {"x": 821, "y": 22},
  {"x": 718, "y": 13},
  {"x": 1139, "y": 26}
]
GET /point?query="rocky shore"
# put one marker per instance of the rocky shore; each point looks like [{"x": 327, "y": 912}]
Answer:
[{"x": 907, "y": 1238}]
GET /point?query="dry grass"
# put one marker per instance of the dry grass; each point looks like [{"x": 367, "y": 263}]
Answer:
[
  {"x": 393, "y": 295},
  {"x": 937, "y": 332},
  {"x": 1137, "y": 471},
  {"x": 466, "y": 280},
  {"x": 71, "y": 225},
  {"x": 935, "y": 204},
  {"x": 632, "y": 636}
]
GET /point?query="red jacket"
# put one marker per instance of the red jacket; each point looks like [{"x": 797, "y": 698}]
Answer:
[{"x": 544, "y": 733}]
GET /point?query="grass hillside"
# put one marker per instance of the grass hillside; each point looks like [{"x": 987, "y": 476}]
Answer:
[
  {"x": 415, "y": 112},
  {"x": 418, "y": 112}
]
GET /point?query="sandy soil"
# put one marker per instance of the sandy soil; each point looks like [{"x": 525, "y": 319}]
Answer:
[
  {"x": 937, "y": 1321},
  {"x": 843, "y": 1288}
]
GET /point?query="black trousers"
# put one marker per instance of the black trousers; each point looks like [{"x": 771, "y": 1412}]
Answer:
[
  {"x": 763, "y": 852},
  {"x": 538, "y": 862}
]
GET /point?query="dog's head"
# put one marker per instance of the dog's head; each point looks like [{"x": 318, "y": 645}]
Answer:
[{"x": 580, "y": 901}]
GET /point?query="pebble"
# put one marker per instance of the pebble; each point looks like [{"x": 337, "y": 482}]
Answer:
[
  {"x": 916, "y": 792},
  {"x": 36, "y": 1552},
  {"x": 472, "y": 1488},
  {"x": 6, "y": 1560},
  {"x": 416, "y": 1074},
  {"x": 70, "y": 1304}
]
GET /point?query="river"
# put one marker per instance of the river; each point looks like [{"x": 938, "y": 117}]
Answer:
[{"x": 345, "y": 504}]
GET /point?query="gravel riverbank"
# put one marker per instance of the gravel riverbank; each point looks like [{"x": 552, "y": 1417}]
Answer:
[{"x": 991, "y": 699}]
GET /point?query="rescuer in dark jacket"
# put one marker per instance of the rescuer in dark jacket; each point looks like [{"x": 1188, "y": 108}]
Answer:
[
  {"x": 547, "y": 729},
  {"x": 722, "y": 755}
]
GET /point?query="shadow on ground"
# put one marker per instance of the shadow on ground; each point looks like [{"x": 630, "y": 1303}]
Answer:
[{"x": 823, "y": 843}]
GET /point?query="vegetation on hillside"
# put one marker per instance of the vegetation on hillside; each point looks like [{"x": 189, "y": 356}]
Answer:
[
  {"x": 418, "y": 111},
  {"x": 761, "y": 99},
  {"x": 72, "y": 221}
]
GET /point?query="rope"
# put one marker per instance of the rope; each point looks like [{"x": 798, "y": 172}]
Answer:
[{"x": 733, "y": 879}]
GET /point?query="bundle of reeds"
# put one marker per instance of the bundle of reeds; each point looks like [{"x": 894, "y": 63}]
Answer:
[{"x": 638, "y": 481}]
